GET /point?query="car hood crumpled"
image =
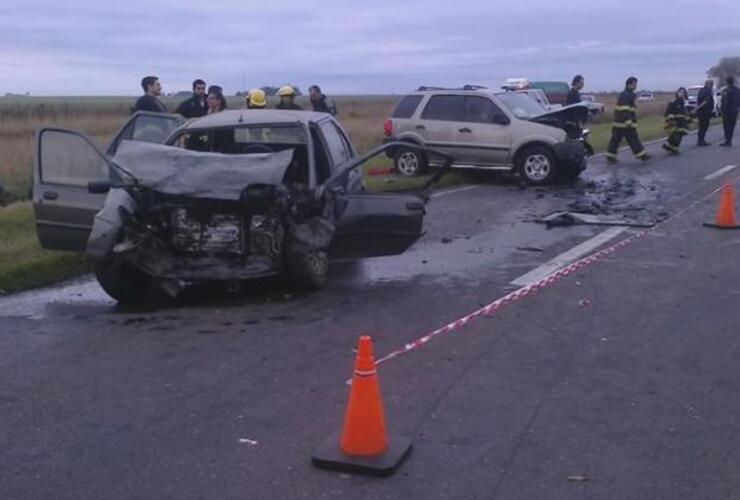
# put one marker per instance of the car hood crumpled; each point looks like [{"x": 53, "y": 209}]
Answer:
[{"x": 176, "y": 171}]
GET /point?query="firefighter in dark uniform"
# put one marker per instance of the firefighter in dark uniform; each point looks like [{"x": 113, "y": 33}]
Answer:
[
  {"x": 730, "y": 110},
  {"x": 676, "y": 121},
  {"x": 574, "y": 94},
  {"x": 625, "y": 124},
  {"x": 704, "y": 111},
  {"x": 287, "y": 98}
]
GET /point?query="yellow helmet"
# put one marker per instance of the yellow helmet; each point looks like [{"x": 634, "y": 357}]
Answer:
[
  {"x": 256, "y": 98},
  {"x": 286, "y": 90}
]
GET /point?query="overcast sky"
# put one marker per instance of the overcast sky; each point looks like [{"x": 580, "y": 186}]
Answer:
[{"x": 74, "y": 47}]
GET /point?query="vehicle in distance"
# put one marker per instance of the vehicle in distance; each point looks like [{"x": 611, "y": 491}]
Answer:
[
  {"x": 645, "y": 97},
  {"x": 227, "y": 197},
  {"x": 506, "y": 131}
]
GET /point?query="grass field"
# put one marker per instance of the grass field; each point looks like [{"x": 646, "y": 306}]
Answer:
[{"x": 23, "y": 264}]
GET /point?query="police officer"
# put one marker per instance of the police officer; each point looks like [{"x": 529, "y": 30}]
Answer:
[
  {"x": 287, "y": 98},
  {"x": 625, "y": 124},
  {"x": 150, "y": 100},
  {"x": 197, "y": 105},
  {"x": 676, "y": 121},
  {"x": 730, "y": 108},
  {"x": 704, "y": 110},
  {"x": 574, "y": 94}
]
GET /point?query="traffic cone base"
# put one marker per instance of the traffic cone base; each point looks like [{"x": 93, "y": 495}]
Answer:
[
  {"x": 718, "y": 226},
  {"x": 329, "y": 456}
]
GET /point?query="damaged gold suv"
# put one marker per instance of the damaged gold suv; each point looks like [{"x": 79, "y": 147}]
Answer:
[{"x": 226, "y": 197}]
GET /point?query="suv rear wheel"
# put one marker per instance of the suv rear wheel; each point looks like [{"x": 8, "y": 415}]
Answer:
[
  {"x": 409, "y": 162},
  {"x": 536, "y": 165}
]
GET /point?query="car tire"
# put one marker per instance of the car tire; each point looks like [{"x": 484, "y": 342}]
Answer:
[
  {"x": 409, "y": 162},
  {"x": 123, "y": 282},
  {"x": 536, "y": 165},
  {"x": 309, "y": 269}
]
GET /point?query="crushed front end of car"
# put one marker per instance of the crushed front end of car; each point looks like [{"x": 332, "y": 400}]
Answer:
[{"x": 181, "y": 217}]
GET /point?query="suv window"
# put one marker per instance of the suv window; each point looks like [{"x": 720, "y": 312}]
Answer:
[
  {"x": 338, "y": 150},
  {"x": 407, "y": 106},
  {"x": 480, "y": 109},
  {"x": 444, "y": 107}
]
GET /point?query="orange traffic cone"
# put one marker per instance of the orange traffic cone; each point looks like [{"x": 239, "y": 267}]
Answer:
[
  {"x": 726, "y": 212},
  {"x": 364, "y": 445}
]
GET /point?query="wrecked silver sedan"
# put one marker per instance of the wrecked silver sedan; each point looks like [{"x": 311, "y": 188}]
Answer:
[{"x": 227, "y": 197}]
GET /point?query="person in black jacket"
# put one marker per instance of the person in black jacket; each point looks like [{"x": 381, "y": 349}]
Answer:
[
  {"x": 320, "y": 102},
  {"x": 625, "y": 124},
  {"x": 197, "y": 105},
  {"x": 574, "y": 94},
  {"x": 704, "y": 110},
  {"x": 676, "y": 121},
  {"x": 150, "y": 100},
  {"x": 730, "y": 108}
]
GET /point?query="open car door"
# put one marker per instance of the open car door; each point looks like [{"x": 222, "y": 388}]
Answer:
[
  {"x": 66, "y": 161},
  {"x": 146, "y": 126},
  {"x": 375, "y": 224}
]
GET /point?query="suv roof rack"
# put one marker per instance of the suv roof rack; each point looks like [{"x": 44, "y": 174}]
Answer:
[{"x": 464, "y": 87}]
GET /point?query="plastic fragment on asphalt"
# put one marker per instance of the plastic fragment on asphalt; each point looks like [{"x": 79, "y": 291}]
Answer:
[
  {"x": 578, "y": 478},
  {"x": 250, "y": 442},
  {"x": 584, "y": 303}
]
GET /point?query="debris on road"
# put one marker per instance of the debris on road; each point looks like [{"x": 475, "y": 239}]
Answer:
[
  {"x": 530, "y": 249},
  {"x": 584, "y": 303},
  {"x": 250, "y": 442},
  {"x": 582, "y": 478},
  {"x": 561, "y": 219},
  {"x": 446, "y": 240}
]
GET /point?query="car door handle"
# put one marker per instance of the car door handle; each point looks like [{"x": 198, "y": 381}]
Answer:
[
  {"x": 51, "y": 195},
  {"x": 420, "y": 127},
  {"x": 465, "y": 130}
]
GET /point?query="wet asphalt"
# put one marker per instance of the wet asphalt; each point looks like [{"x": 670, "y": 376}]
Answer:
[{"x": 618, "y": 381}]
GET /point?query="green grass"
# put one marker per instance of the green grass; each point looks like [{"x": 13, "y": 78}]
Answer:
[{"x": 23, "y": 263}]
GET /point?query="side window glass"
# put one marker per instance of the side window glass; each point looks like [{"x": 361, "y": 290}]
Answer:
[
  {"x": 335, "y": 143},
  {"x": 68, "y": 159},
  {"x": 153, "y": 128},
  {"x": 444, "y": 107},
  {"x": 480, "y": 110},
  {"x": 407, "y": 106}
]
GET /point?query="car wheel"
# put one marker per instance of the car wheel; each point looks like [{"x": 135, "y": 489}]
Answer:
[
  {"x": 537, "y": 165},
  {"x": 309, "y": 269},
  {"x": 123, "y": 281},
  {"x": 409, "y": 162}
]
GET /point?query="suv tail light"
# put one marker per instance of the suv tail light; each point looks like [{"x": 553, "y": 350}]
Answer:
[{"x": 388, "y": 128}]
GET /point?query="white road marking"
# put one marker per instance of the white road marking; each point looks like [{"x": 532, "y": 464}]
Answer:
[
  {"x": 452, "y": 191},
  {"x": 568, "y": 257},
  {"x": 720, "y": 172}
]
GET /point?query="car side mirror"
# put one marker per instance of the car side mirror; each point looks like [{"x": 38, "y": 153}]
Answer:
[
  {"x": 500, "y": 119},
  {"x": 98, "y": 187}
]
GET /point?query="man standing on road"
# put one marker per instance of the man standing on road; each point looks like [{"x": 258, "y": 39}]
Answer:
[
  {"x": 625, "y": 124},
  {"x": 150, "y": 100},
  {"x": 730, "y": 107},
  {"x": 320, "y": 102},
  {"x": 574, "y": 94},
  {"x": 704, "y": 110},
  {"x": 197, "y": 105}
]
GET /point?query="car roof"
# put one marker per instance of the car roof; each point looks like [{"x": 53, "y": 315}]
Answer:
[{"x": 237, "y": 117}]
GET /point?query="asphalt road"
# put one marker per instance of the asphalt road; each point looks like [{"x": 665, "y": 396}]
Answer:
[{"x": 619, "y": 380}]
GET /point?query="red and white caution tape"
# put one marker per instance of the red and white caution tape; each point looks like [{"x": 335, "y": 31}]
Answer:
[{"x": 525, "y": 291}]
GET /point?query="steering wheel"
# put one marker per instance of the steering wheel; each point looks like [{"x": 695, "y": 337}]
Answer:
[{"x": 258, "y": 148}]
